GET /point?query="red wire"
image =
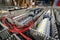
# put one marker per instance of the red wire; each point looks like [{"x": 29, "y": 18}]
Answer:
[
  {"x": 18, "y": 31},
  {"x": 15, "y": 29},
  {"x": 27, "y": 38}
]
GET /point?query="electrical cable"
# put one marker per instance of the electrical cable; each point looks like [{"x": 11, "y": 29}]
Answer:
[{"x": 13, "y": 28}]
